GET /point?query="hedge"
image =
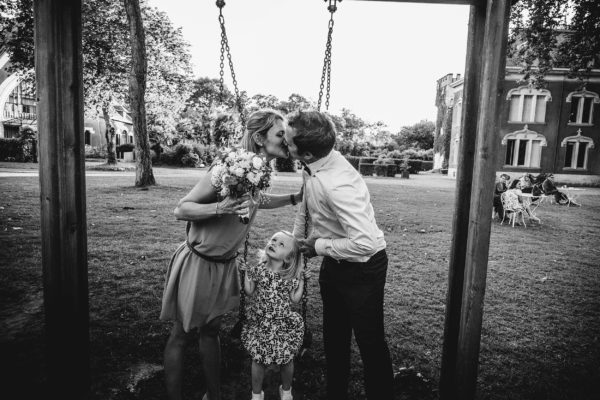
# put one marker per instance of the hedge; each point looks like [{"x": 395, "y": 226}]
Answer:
[
  {"x": 366, "y": 169},
  {"x": 125, "y": 148},
  {"x": 415, "y": 166},
  {"x": 354, "y": 161},
  {"x": 14, "y": 149},
  {"x": 386, "y": 170}
]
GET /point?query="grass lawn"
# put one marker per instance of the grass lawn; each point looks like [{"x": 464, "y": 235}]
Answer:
[{"x": 541, "y": 327}]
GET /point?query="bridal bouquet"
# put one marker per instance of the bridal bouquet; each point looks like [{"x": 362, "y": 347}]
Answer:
[{"x": 238, "y": 172}]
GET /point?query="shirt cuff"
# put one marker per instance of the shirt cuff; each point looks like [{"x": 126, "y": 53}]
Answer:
[{"x": 323, "y": 246}]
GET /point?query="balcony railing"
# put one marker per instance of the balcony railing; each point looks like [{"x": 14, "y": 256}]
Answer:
[{"x": 8, "y": 114}]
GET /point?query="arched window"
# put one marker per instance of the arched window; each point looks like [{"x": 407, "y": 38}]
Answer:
[
  {"x": 582, "y": 107},
  {"x": 528, "y": 104},
  {"x": 577, "y": 148},
  {"x": 524, "y": 148},
  {"x": 88, "y": 137}
]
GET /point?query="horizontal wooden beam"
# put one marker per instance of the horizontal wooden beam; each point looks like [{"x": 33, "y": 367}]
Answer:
[{"x": 463, "y": 2}]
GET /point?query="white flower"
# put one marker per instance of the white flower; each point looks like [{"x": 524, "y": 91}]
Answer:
[
  {"x": 245, "y": 164},
  {"x": 257, "y": 162},
  {"x": 224, "y": 192},
  {"x": 239, "y": 172},
  {"x": 253, "y": 178},
  {"x": 232, "y": 155}
]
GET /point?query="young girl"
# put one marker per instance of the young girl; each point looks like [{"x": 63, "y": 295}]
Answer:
[{"x": 273, "y": 332}]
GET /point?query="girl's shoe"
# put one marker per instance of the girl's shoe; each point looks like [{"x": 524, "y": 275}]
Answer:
[
  {"x": 260, "y": 396},
  {"x": 285, "y": 394}
]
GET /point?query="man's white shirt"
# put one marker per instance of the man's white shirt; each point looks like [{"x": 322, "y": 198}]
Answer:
[{"x": 342, "y": 217}]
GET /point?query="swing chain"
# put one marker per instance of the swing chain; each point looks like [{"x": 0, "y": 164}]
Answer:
[
  {"x": 326, "y": 72},
  {"x": 305, "y": 259},
  {"x": 242, "y": 316},
  {"x": 225, "y": 49}
]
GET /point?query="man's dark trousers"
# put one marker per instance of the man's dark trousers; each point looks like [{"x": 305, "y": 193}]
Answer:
[{"x": 352, "y": 294}]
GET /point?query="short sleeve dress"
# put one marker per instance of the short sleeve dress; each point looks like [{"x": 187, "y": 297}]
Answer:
[
  {"x": 273, "y": 332},
  {"x": 199, "y": 289}
]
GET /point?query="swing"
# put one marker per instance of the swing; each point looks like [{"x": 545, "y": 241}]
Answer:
[{"x": 236, "y": 331}]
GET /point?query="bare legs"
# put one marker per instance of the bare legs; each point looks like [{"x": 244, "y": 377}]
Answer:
[
  {"x": 210, "y": 351},
  {"x": 287, "y": 373},
  {"x": 174, "y": 361},
  {"x": 258, "y": 375}
]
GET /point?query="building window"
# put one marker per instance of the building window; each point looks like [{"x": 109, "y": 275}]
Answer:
[
  {"x": 528, "y": 105},
  {"x": 524, "y": 148},
  {"x": 118, "y": 140},
  {"x": 576, "y": 150},
  {"x": 582, "y": 107},
  {"x": 130, "y": 138},
  {"x": 88, "y": 137},
  {"x": 11, "y": 131}
]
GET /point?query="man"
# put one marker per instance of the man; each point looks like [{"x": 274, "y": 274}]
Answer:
[
  {"x": 353, "y": 271},
  {"x": 500, "y": 187}
]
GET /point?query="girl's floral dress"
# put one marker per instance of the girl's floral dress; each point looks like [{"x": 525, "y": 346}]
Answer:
[{"x": 273, "y": 332}]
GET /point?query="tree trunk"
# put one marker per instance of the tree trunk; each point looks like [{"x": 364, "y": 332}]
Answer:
[
  {"x": 137, "y": 90},
  {"x": 109, "y": 134}
]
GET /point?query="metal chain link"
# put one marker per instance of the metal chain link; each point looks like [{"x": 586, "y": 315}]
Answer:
[
  {"x": 305, "y": 259},
  {"x": 225, "y": 49},
  {"x": 326, "y": 72}
]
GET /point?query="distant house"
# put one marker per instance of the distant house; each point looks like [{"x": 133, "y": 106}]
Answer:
[
  {"x": 20, "y": 110},
  {"x": 555, "y": 129}
]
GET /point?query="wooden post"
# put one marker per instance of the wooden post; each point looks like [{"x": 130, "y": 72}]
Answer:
[
  {"x": 58, "y": 65},
  {"x": 464, "y": 176},
  {"x": 494, "y": 56}
]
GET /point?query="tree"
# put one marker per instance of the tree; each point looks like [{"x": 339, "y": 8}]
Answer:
[
  {"x": 137, "y": 90},
  {"x": 106, "y": 62},
  {"x": 542, "y": 37},
  {"x": 417, "y": 136},
  {"x": 202, "y": 107}
]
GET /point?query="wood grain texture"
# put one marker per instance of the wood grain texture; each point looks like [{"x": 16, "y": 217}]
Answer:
[{"x": 58, "y": 65}]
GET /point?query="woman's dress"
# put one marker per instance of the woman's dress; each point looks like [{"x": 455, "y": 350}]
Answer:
[{"x": 199, "y": 289}]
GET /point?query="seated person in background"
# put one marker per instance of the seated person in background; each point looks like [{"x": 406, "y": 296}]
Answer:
[{"x": 500, "y": 187}]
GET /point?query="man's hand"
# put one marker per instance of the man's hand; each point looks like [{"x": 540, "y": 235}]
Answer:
[{"x": 307, "y": 247}]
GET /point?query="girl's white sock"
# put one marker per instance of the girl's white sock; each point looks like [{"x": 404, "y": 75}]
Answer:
[{"x": 260, "y": 396}]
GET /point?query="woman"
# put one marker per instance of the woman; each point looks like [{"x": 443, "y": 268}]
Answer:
[{"x": 202, "y": 280}]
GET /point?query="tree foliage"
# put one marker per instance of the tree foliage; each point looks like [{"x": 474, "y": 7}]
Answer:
[
  {"x": 106, "y": 58},
  {"x": 546, "y": 34},
  {"x": 417, "y": 136}
]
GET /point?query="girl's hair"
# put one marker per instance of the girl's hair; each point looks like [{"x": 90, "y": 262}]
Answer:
[
  {"x": 290, "y": 269},
  {"x": 259, "y": 122}
]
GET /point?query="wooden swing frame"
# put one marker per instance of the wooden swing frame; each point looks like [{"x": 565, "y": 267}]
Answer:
[{"x": 58, "y": 61}]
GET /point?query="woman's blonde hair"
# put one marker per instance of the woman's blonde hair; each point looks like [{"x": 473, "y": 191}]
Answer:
[
  {"x": 291, "y": 268},
  {"x": 259, "y": 122}
]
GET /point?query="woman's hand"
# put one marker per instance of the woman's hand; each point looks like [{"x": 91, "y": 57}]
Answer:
[{"x": 230, "y": 205}]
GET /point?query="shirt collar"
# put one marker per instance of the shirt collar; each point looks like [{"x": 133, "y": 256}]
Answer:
[{"x": 315, "y": 166}]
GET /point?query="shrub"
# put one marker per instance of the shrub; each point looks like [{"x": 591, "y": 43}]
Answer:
[
  {"x": 426, "y": 165},
  {"x": 190, "y": 160},
  {"x": 154, "y": 157},
  {"x": 354, "y": 161},
  {"x": 285, "y": 165},
  {"x": 94, "y": 152},
  {"x": 384, "y": 161},
  {"x": 367, "y": 160},
  {"x": 366, "y": 169},
  {"x": 202, "y": 151},
  {"x": 414, "y": 166},
  {"x": 125, "y": 148},
  {"x": 12, "y": 149},
  {"x": 167, "y": 156}
]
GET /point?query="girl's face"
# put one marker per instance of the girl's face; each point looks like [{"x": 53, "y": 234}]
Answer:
[
  {"x": 280, "y": 247},
  {"x": 273, "y": 141}
]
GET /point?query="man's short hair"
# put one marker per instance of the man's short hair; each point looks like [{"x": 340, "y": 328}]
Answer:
[{"x": 315, "y": 132}]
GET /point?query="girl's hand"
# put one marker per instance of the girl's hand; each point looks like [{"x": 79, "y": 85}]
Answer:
[{"x": 230, "y": 205}]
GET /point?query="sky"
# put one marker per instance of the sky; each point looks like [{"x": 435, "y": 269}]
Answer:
[{"x": 386, "y": 56}]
